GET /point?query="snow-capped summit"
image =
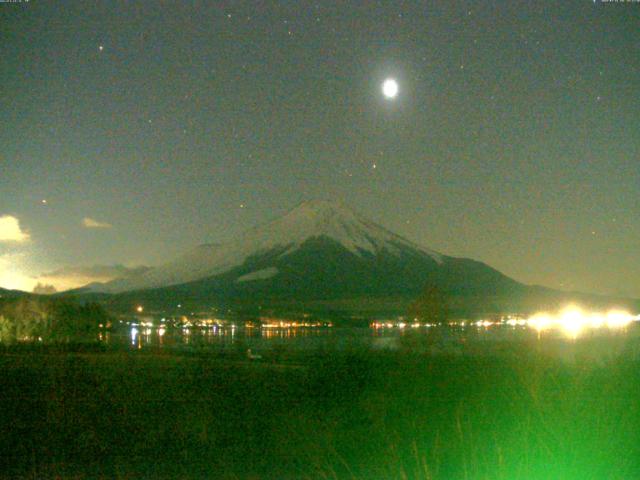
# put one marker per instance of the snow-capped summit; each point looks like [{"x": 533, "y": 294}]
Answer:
[
  {"x": 310, "y": 220},
  {"x": 323, "y": 257},
  {"x": 322, "y": 218}
]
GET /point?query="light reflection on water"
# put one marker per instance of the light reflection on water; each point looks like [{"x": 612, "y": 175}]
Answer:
[
  {"x": 227, "y": 336},
  {"x": 440, "y": 339}
]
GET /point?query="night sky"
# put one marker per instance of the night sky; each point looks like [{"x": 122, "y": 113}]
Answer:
[{"x": 134, "y": 131}]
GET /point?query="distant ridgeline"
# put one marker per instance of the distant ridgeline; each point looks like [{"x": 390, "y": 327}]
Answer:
[
  {"x": 322, "y": 258},
  {"x": 45, "y": 319}
]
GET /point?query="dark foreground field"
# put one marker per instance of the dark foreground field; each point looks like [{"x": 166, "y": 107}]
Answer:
[{"x": 354, "y": 415}]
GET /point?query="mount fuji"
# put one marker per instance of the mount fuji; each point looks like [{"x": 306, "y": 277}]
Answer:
[
  {"x": 258, "y": 253},
  {"x": 318, "y": 255}
]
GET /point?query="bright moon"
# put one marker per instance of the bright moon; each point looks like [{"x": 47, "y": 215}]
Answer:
[{"x": 390, "y": 88}]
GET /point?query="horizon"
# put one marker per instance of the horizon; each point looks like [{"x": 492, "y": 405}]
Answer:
[
  {"x": 502, "y": 133},
  {"x": 103, "y": 274}
]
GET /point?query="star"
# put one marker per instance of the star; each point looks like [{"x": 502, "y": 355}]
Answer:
[{"x": 101, "y": 47}]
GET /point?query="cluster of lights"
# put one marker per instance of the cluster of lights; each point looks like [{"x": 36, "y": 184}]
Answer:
[
  {"x": 379, "y": 324},
  {"x": 294, "y": 324},
  {"x": 572, "y": 320},
  {"x": 203, "y": 323}
]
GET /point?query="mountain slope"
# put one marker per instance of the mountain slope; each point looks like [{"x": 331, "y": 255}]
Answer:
[
  {"x": 322, "y": 256},
  {"x": 4, "y": 293},
  {"x": 322, "y": 269},
  {"x": 281, "y": 237}
]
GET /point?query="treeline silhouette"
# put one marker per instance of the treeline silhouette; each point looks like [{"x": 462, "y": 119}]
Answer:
[{"x": 41, "y": 319}]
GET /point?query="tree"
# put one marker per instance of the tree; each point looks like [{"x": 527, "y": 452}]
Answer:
[
  {"x": 7, "y": 330},
  {"x": 51, "y": 320}
]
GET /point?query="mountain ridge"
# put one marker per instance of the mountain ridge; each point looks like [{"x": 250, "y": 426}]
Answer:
[
  {"x": 309, "y": 219},
  {"x": 323, "y": 255}
]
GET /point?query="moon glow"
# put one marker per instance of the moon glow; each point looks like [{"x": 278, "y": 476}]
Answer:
[{"x": 390, "y": 88}]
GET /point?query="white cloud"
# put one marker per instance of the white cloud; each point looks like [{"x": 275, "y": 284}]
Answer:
[
  {"x": 92, "y": 223},
  {"x": 10, "y": 230}
]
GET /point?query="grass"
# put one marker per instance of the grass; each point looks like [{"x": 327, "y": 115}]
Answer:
[{"x": 355, "y": 415}]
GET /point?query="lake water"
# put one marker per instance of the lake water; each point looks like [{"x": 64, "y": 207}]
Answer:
[{"x": 597, "y": 344}]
